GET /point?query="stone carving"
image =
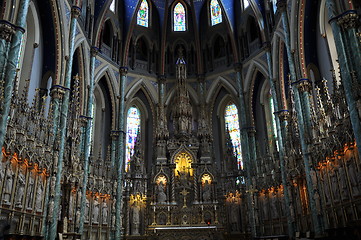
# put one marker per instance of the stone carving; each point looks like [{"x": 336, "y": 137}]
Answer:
[
  {"x": 274, "y": 205},
  {"x": 206, "y": 192},
  {"x": 313, "y": 178},
  {"x": 8, "y": 184},
  {"x": 343, "y": 183},
  {"x": 87, "y": 206},
  {"x": 234, "y": 216},
  {"x": 354, "y": 177},
  {"x": 39, "y": 196},
  {"x": 20, "y": 187},
  {"x": 316, "y": 197},
  {"x": 105, "y": 212},
  {"x": 30, "y": 191},
  {"x": 136, "y": 219},
  {"x": 161, "y": 195},
  {"x": 95, "y": 210}
]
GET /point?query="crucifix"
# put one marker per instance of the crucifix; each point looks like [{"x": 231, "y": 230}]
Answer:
[{"x": 184, "y": 192}]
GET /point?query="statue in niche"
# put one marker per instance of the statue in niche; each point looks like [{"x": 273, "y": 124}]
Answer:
[
  {"x": 51, "y": 210},
  {"x": 343, "y": 183},
  {"x": 52, "y": 185},
  {"x": 9, "y": 178},
  {"x": 20, "y": 187},
  {"x": 354, "y": 177},
  {"x": 183, "y": 177},
  {"x": 234, "y": 215},
  {"x": 161, "y": 195},
  {"x": 95, "y": 210},
  {"x": 206, "y": 192},
  {"x": 313, "y": 175},
  {"x": 316, "y": 197},
  {"x": 30, "y": 192},
  {"x": 274, "y": 205},
  {"x": 105, "y": 212},
  {"x": 264, "y": 205},
  {"x": 77, "y": 222},
  {"x": 334, "y": 184},
  {"x": 87, "y": 207},
  {"x": 39, "y": 196},
  {"x": 71, "y": 205},
  {"x": 2, "y": 170},
  {"x": 65, "y": 225},
  {"x": 136, "y": 219}
]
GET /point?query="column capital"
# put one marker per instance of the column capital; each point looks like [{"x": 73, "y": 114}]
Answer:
[
  {"x": 7, "y": 30},
  {"x": 281, "y": 5},
  {"x": 57, "y": 92},
  {"x": 123, "y": 71},
  {"x": 348, "y": 19},
  {"x": 304, "y": 85},
  {"x": 283, "y": 115},
  {"x": 94, "y": 51},
  {"x": 75, "y": 11},
  {"x": 161, "y": 79}
]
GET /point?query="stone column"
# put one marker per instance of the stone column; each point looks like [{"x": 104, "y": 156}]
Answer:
[
  {"x": 281, "y": 133},
  {"x": 245, "y": 145},
  {"x": 121, "y": 155},
  {"x": 162, "y": 128},
  {"x": 10, "y": 68},
  {"x": 7, "y": 30},
  {"x": 316, "y": 220},
  {"x": 345, "y": 69},
  {"x": 63, "y": 123},
  {"x": 87, "y": 137},
  {"x": 349, "y": 23}
]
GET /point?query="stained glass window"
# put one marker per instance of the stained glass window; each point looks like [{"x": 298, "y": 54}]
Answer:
[
  {"x": 112, "y": 6},
  {"x": 245, "y": 3},
  {"x": 273, "y": 117},
  {"x": 143, "y": 13},
  {"x": 179, "y": 18},
  {"x": 216, "y": 13},
  {"x": 232, "y": 123},
  {"x": 133, "y": 125}
]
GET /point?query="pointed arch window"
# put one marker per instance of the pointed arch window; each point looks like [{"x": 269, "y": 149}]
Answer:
[
  {"x": 216, "y": 13},
  {"x": 112, "y": 6},
  {"x": 273, "y": 120},
  {"x": 232, "y": 124},
  {"x": 143, "y": 14},
  {"x": 133, "y": 127},
  {"x": 179, "y": 18},
  {"x": 245, "y": 4}
]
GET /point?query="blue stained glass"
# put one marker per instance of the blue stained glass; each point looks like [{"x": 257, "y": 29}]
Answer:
[
  {"x": 143, "y": 14},
  {"x": 133, "y": 125},
  {"x": 231, "y": 120},
  {"x": 216, "y": 13},
  {"x": 179, "y": 18}
]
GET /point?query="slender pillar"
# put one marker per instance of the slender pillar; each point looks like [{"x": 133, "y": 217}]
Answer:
[
  {"x": 63, "y": 123},
  {"x": 245, "y": 147},
  {"x": 345, "y": 69},
  {"x": 121, "y": 147},
  {"x": 281, "y": 142},
  {"x": 316, "y": 219},
  {"x": 10, "y": 69},
  {"x": 7, "y": 30},
  {"x": 114, "y": 136},
  {"x": 87, "y": 138},
  {"x": 348, "y": 21}
]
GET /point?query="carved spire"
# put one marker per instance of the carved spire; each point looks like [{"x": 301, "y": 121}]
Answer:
[{"x": 182, "y": 110}]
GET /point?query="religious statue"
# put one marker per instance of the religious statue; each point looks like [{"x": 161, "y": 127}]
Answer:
[
  {"x": 95, "y": 210},
  {"x": 105, "y": 212},
  {"x": 316, "y": 197},
  {"x": 343, "y": 183},
  {"x": 9, "y": 178},
  {"x": 313, "y": 175},
  {"x": 183, "y": 177},
  {"x": 20, "y": 187},
  {"x": 274, "y": 205},
  {"x": 87, "y": 207},
  {"x": 136, "y": 219},
  {"x": 29, "y": 194},
  {"x": 206, "y": 192},
  {"x": 65, "y": 225},
  {"x": 354, "y": 177},
  {"x": 77, "y": 222},
  {"x": 234, "y": 216},
  {"x": 161, "y": 195},
  {"x": 39, "y": 196}
]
